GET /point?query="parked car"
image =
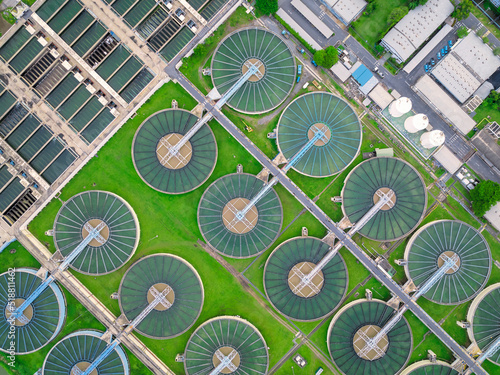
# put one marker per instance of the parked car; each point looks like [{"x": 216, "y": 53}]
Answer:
[
  {"x": 442, "y": 52},
  {"x": 300, "y": 49},
  {"x": 299, "y": 70},
  {"x": 426, "y": 67},
  {"x": 438, "y": 55},
  {"x": 298, "y": 79},
  {"x": 433, "y": 62},
  {"x": 314, "y": 63},
  {"x": 446, "y": 49},
  {"x": 450, "y": 43}
]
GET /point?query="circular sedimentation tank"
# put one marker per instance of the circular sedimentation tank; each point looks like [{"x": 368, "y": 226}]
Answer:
[
  {"x": 274, "y": 77},
  {"x": 42, "y": 320},
  {"x": 118, "y": 225},
  {"x": 484, "y": 319},
  {"x": 382, "y": 175},
  {"x": 429, "y": 368},
  {"x": 167, "y": 172},
  {"x": 150, "y": 276},
  {"x": 334, "y": 119},
  {"x": 224, "y": 231},
  {"x": 282, "y": 276},
  {"x": 226, "y": 336},
  {"x": 437, "y": 241},
  {"x": 353, "y": 325},
  {"x": 76, "y": 352}
]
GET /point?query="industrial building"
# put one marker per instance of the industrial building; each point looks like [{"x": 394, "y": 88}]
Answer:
[
  {"x": 312, "y": 18},
  {"x": 415, "y": 28},
  {"x": 65, "y": 78},
  {"x": 282, "y": 276},
  {"x": 468, "y": 65},
  {"x": 439, "y": 99},
  {"x": 346, "y": 11}
]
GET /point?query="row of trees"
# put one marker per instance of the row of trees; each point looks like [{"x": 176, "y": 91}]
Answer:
[
  {"x": 267, "y": 6},
  {"x": 462, "y": 9}
]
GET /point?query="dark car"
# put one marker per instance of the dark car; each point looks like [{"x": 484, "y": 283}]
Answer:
[
  {"x": 433, "y": 62},
  {"x": 450, "y": 43}
]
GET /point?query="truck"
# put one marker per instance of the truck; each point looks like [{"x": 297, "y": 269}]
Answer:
[
  {"x": 286, "y": 34},
  {"x": 299, "y": 70},
  {"x": 300, "y": 49}
]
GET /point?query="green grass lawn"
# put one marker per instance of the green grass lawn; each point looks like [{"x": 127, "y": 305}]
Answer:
[
  {"x": 460, "y": 213},
  {"x": 313, "y": 364},
  {"x": 78, "y": 317},
  {"x": 169, "y": 225},
  {"x": 372, "y": 27}
]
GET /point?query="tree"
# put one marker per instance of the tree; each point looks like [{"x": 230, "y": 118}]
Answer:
[
  {"x": 320, "y": 57},
  {"x": 493, "y": 100},
  {"x": 484, "y": 196},
  {"x": 332, "y": 56},
  {"x": 415, "y": 3},
  {"x": 462, "y": 32},
  {"x": 267, "y": 6},
  {"x": 496, "y": 51},
  {"x": 327, "y": 57},
  {"x": 396, "y": 14},
  {"x": 462, "y": 10}
]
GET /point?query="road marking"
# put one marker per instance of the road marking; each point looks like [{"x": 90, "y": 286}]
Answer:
[{"x": 347, "y": 37}]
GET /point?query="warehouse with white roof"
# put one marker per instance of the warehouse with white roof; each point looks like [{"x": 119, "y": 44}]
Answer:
[
  {"x": 346, "y": 11},
  {"x": 415, "y": 28},
  {"x": 463, "y": 71}
]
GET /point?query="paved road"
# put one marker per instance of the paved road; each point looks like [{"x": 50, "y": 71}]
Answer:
[{"x": 328, "y": 223}]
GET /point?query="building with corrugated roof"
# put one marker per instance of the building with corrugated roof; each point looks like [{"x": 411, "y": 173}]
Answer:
[
  {"x": 414, "y": 29},
  {"x": 346, "y": 11},
  {"x": 466, "y": 67}
]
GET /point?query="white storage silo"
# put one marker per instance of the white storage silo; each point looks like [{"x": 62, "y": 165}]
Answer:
[
  {"x": 416, "y": 123},
  {"x": 400, "y": 106},
  {"x": 432, "y": 139}
]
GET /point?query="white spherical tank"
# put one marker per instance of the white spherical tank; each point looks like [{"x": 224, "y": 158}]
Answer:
[
  {"x": 432, "y": 139},
  {"x": 399, "y": 107},
  {"x": 416, "y": 123}
]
